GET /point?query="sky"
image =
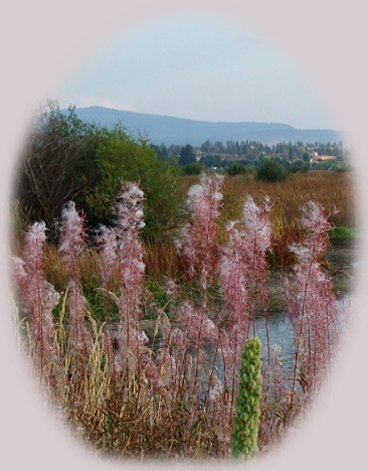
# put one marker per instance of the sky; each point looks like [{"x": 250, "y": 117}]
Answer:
[{"x": 197, "y": 67}]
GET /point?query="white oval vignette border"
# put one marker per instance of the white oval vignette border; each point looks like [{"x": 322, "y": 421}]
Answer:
[{"x": 40, "y": 44}]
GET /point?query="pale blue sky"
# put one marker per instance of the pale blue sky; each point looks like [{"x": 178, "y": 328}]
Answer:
[{"x": 197, "y": 67}]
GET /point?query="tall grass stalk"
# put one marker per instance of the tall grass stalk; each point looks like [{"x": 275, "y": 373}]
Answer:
[{"x": 311, "y": 301}]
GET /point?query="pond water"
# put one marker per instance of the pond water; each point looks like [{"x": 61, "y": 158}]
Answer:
[{"x": 282, "y": 335}]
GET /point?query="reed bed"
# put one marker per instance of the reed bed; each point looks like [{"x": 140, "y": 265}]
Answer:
[{"x": 330, "y": 189}]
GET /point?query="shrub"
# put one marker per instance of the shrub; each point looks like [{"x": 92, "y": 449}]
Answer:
[
  {"x": 119, "y": 158},
  {"x": 56, "y": 163},
  {"x": 194, "y": 168},
  {"x": 235, "y": 168},
  {"x": 299, "y": 166},
  {"x": 271, "y": 171}
]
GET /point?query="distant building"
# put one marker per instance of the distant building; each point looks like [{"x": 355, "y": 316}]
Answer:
[
  {"x": 198, "y": 155},
  {"x": 315, "y": 157},
  {"x": 223, "y": 156}
]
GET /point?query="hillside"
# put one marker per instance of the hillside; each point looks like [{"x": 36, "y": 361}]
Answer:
[{"x": 170, "y": 130}]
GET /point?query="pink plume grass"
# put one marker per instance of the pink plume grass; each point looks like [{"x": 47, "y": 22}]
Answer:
[
  {"x": 130, "y": 248},
  {"x": 192, "y": 349},
  {"x": 243, "y": 277},
  {"x": 39, "y": 296},
  {"x": 197, "y": 244},
  {"x": 108, "y": 245},
  {"x": 311, "y": 301},
  {"x": 71, "y": 244},
  {"x": 131, "y": 271},
  {"x": 72, "y": 238},
  {"x": 243, "y": 270}
]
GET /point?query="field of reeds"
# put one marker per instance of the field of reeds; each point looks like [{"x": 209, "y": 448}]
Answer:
[
  {"x": 141, "y": 346},
  {"x": 330, "y": 189}
]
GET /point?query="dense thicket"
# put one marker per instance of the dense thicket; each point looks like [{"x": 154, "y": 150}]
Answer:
[{"x": 65, "y": 158}]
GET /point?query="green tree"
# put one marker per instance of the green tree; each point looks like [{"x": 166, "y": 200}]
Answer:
[
  {"x": 291, "y": 152},
  {"x": 306, "y": 157},
  {"x": 270, "y": 171},
  {"x": 187, "y": 155}
]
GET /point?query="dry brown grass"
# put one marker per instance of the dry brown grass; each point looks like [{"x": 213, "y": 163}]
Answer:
[
  {"x": 330, "y": 189},
  {"x": 58, "y": 273},
  {"x": 162, "y": 260},
  {"x": 122, "y": 415}
]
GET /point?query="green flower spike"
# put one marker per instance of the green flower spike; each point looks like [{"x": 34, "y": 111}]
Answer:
[{"x": 246, "y": 420}]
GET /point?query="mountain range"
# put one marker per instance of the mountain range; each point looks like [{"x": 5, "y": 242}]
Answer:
[{"x": 170, "y": 130}]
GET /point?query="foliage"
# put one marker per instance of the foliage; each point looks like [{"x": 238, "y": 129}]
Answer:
[
  {"x": 194, "y": 168},
  {"x": 251, "y": 153},
  {"x": 209, "y": 160},
  {"x": 187, "y": 155},
  {"x": 342, "y": 235},
  {"x": 121, "y": 158},
  {"x": 56, "y": 163},
  {"x": 245, "y": 435},
  {"x": 236, "y": 168},
  {"x": 343, "y": 167},
  {"x": 299, "y": 166},
  {"x": 65, "y": 158},
  {"x": 271, "y": 171}
]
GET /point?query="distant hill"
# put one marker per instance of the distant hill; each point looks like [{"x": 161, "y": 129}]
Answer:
[{"x": 169, "y": 130}]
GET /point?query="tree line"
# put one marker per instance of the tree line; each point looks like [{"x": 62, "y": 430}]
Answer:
[{"x": 235, "y": 157}]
